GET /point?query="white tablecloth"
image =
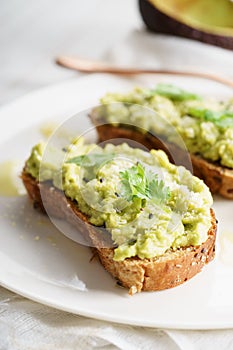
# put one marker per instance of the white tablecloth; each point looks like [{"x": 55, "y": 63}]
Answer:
[{"x": 27, "y": 325}]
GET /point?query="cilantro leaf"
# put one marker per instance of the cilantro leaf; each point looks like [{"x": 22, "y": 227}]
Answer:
[
  {"x": 174, "y": 93},
  {"x": 136, "y": 183},
  {"x": 158, "y": 191},
  {"x": 91, "y": 160},
  {"x": 222, "y": 119}
]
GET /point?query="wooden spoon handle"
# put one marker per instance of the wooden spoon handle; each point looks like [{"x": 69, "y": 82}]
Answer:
[{"x": 89, "y": 66}]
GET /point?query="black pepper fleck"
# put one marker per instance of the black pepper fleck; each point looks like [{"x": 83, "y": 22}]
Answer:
[{"x": 151, "y": 216}]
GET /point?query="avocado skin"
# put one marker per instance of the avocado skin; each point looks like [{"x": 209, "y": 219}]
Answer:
[{"x": 158, "y": 22}]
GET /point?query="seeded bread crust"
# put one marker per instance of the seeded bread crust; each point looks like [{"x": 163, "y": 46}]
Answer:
[
  {"x": 167, "y": 271},
  {"x": 219, "y": 179}
]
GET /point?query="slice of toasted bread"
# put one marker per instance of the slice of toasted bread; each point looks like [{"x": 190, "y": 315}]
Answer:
[
  {"x": 167, "y": 271},
  {"x": 219, "y": 179}
]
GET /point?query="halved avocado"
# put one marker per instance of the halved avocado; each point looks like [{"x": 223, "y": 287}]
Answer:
[{"x": 209, "y": 21}]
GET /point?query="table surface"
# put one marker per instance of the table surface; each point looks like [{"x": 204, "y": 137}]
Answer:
[{"x": 33, "y": 33}]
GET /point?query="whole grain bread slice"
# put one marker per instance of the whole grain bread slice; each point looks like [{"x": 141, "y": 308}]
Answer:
[
  {"x": 167, "y": 271},
  {"x": 219, "y": 179}
]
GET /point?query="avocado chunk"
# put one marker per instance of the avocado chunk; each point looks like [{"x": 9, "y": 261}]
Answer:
[{"x": 209, "y": 21}]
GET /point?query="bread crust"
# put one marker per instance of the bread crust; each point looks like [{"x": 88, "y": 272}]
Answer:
[
  {"x": 167, "y": 271},
  {"x": 219, "y": 179}
]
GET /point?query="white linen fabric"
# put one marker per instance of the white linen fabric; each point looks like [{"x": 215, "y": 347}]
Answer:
[{"x": 26, "y": 325}]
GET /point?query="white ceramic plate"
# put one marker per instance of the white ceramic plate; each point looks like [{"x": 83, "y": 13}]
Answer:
[{"x": 38, "y": 262}]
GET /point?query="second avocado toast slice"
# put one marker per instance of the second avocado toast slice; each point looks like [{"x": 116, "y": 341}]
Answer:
[{"x": 155, "y": 117}]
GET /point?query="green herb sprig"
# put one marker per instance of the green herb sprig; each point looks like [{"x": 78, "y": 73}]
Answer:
[
  {"x": 174, "y": 93},
  {"x": 91, "y": 160},
  {"x": 136, "y": 183},
  {"x": 223, "y": 119}
]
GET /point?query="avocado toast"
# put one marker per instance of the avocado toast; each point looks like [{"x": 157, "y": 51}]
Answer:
[
  {"x": 155, "y": 117},
  {"x": 149, "y": 221}
]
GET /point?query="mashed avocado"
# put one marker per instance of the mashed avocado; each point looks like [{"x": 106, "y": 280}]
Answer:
[
  {"x": 205, "y": 125},
  {"x": 147, "y": 204}
]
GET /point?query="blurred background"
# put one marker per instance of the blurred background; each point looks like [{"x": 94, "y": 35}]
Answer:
[{"x": 33, "y": 33}]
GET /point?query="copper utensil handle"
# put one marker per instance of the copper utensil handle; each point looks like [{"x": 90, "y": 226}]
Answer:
[{"x": 88, "y": 66}]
